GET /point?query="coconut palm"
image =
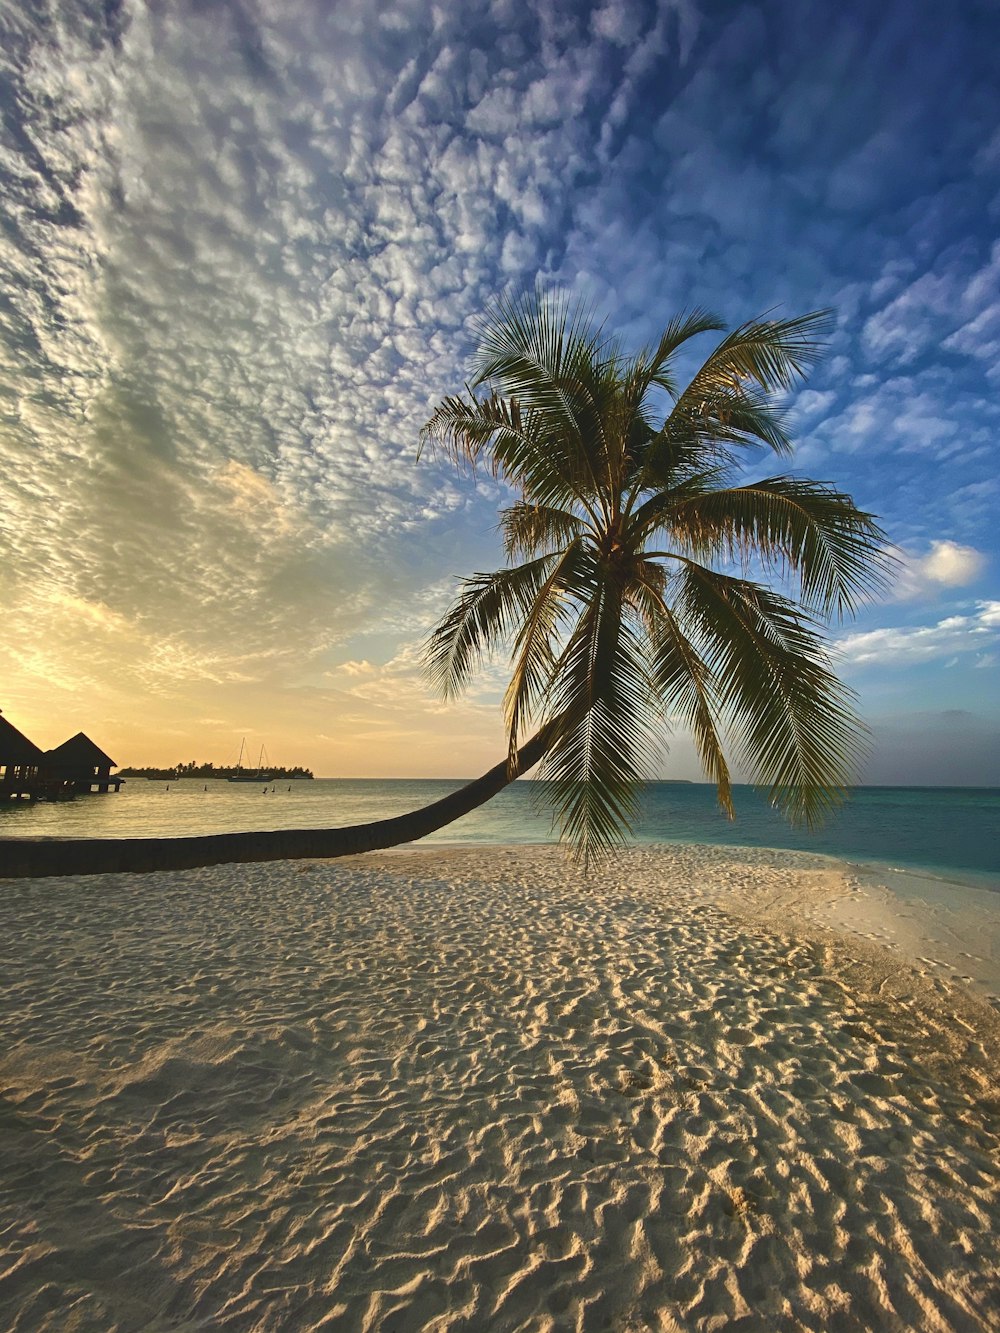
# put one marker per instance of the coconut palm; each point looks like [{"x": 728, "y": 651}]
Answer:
[
  {"x": 629, "y": 600},
  {"x": 621, "y": 602}
]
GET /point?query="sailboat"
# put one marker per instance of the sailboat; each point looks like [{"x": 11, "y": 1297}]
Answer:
[{"x": 244, "y": 775}]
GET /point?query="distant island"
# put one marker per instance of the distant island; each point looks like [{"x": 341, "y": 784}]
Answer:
[{"x": 193, "y": 770}]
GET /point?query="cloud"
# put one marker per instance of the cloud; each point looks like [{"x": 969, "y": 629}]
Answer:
[
  {"x": 245, "y": 248},
  {"x": 811, "y": 403},
  {"x": 250, "y": 256},
  {"x": 979, "y": 335},
  {"x": 946, "y": 565},
  {"x": 957, "y": 309},
  {"x": 903, "y": 646},
  {"x": 904, "y": 327},
  {"x": 950, "y": 564},
  {"x": 917, "y": 449},
  {"x": 245, "y": 271}
]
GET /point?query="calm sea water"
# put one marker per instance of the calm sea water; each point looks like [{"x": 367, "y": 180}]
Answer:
[{"x": 951, "y": 832}]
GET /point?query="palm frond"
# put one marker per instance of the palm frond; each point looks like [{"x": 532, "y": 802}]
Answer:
[
  {"x": 837, "y": 550},
  {"x": 534, "y": 651},
  {"x": 650, "y": 366},
  {"x": 488, "y": 609},
  {"x": 716, "y": 417},
  {"x": 656, "y": 511},
  {"x": 686, "y": 686},
  {"x": 545, "y": 354},
  {"x": 790, "y": 718},
  {"x": 604, "y": 744},
  {"x": 706, "y": 433},
  {"x": 729, "y": 400},
  {"x": 773, "y": 353},
  {"x": 466, "y": 428},
  {"x": 517, "y": 445},
  {"x": 533, "y": 342},
  {"x": 530, "y": 529}
]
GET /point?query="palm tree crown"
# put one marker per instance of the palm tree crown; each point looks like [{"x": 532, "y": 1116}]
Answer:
[{"x": 614, "y": 607}]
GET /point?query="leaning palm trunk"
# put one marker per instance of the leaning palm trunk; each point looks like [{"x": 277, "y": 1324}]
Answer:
[{"x": 26, "y": 858}]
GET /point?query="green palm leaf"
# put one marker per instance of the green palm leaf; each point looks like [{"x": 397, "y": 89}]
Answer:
[
  {"x": 790, "y": 718},
  {"x": 545, "y": 356},
  {"x": 652, "y": 366},
  {"x": 773, "y": 353},
  {"x": 606, "y": 737},
  {"x": 519, "y": 444},
  {"x": 687, "y": 687},
  {"x": 535, "y": 647},
  {"x": 486, "y": 613},
  {"x": 836, "y": 549}
]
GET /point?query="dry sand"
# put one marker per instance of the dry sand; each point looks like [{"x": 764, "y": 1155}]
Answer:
[{"x": 473, "y": 1090}]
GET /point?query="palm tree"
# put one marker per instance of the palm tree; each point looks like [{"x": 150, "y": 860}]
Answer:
[{"x": 617, "y": 612}]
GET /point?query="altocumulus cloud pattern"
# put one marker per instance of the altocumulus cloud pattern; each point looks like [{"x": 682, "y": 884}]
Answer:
[{"x": 244, "y": 244}]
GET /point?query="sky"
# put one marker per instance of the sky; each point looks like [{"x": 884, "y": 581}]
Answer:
[{"x": 243, "y": 249}]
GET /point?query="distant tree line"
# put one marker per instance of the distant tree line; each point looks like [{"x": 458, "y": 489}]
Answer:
[{"x": 195, "y": 770}]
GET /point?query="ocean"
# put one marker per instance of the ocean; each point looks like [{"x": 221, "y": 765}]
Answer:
[{"x": 950, "y": 833}]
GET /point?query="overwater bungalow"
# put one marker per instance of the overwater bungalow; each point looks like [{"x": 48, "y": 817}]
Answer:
[
  {"x": 19, "y": 763},
  {"x": 81, "y": 765},
  {"x": 30, "y": 773}
]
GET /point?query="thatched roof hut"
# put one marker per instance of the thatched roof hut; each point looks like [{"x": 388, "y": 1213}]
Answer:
[
  {"x": 78, "y": 757},
  {"x": 16, "y": 751},
  {"x": 19, "y": 761},
  {"x": 81, "y": 763}
]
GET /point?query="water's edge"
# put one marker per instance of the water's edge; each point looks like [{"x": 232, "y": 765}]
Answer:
[{"x": 946, "y": 835}]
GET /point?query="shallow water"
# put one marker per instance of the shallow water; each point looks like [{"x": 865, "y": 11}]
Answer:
[{"x": 950, "y": 832}]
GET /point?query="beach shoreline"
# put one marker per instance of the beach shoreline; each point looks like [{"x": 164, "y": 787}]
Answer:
[{"x": 469, "y": 1088}]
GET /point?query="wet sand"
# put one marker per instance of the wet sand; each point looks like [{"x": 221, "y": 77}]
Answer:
[{"x": 711, "y": 1088}]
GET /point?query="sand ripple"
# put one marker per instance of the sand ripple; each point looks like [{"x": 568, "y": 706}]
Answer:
[{"x": 475, "y": 1091}]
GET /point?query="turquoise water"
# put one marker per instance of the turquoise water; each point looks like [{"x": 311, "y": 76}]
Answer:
[{"x": 951, "y": 832}]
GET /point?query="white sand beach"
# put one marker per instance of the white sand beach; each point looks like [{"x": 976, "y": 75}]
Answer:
[{"x": 708, "y": 1089}]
